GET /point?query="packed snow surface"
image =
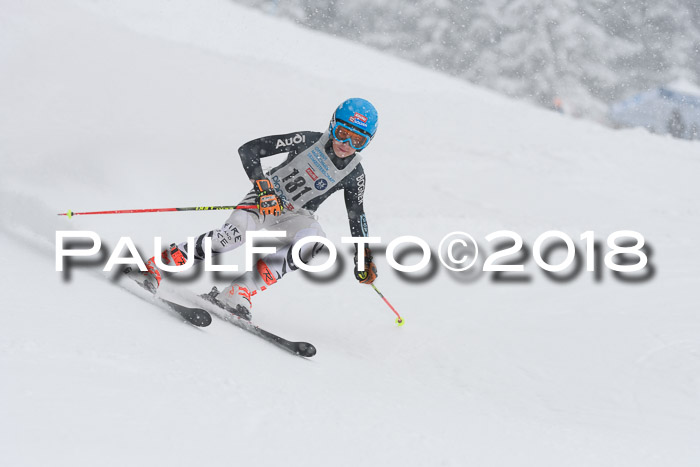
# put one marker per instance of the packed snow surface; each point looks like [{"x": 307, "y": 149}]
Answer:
[{"x": 131, "y": 104}]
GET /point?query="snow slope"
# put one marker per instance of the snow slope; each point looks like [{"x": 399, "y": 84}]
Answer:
[{"x": 109, "y": 105}]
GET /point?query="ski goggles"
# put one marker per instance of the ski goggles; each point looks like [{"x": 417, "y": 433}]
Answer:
[{"x": 344, "y": 134}]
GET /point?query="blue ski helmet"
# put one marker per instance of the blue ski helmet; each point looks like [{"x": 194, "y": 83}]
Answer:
[{"x": 358, "y": 115}]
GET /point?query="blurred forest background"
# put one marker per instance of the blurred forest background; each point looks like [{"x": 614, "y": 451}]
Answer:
[{"x": 577, "y": 55}]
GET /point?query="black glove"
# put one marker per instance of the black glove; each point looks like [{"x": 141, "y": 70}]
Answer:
[
  {"x": 268, "y": 201},
  {"x": 370, "y": 273}
]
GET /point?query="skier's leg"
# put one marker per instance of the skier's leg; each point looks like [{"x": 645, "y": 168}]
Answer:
[
  {"x": 268, "y": 270},
  {"x": 273, "y": 267},
  {"x": 230, "y": 236}
]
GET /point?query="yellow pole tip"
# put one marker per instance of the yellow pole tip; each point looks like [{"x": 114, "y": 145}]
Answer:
[{"x": 400, "y": 321}]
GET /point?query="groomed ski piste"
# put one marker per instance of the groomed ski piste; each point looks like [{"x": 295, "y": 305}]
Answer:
[{"x": 130, "y": 104}]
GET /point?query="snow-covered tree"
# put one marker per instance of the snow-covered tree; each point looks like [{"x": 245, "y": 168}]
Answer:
[{"x": 588, "y": 53}]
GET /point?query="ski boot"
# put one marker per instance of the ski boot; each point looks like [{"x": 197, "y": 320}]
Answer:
[
  {"x": 235, "y": 299},
  {"x": 150, "y": 279}
]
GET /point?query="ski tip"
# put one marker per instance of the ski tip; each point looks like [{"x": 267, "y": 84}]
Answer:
[
  {"x": 305, "y": 349},
  {"x": 196, "y": 316},
  {"x": 202, "y": 320}
]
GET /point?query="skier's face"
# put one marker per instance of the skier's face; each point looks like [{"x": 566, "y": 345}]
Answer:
[{"x": 342, "y": 150}]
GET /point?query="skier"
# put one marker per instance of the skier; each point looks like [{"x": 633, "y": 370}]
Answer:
[{"x": 318, "y": 164}]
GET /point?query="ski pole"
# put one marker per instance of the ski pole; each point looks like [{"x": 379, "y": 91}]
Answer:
[
  {"x": 399, "y": 319},
  {"x": 135, "y": 211}
]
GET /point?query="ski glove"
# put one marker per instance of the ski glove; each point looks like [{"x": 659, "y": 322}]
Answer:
[
  {"x": 268, "y": 201},
  {"x": 370, "y": 273}
]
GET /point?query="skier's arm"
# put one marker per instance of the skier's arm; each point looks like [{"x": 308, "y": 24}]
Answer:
[
  {"x": 354, "y": 188},
  {"x": 252, "y": 151},
  {"x": 354, "y": 198}
]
